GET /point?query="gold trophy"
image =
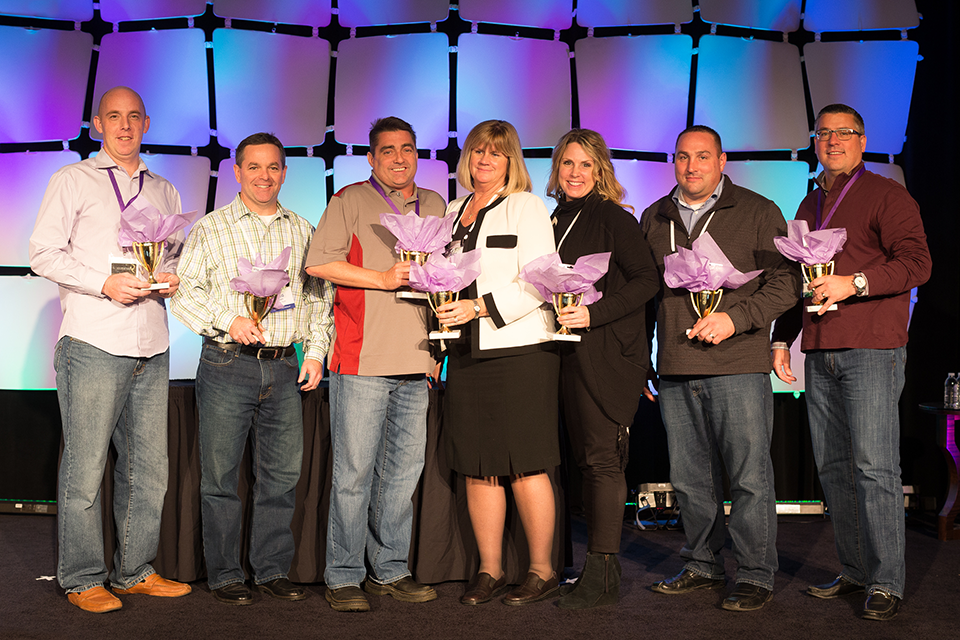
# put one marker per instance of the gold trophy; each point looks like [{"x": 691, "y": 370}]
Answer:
[
  {"x": 419, "y": 257},
  {"x": 810, "y": 273},
  {"x": 437, "y": 299},
  {"x": 561, "y": 300},
  {"x": 706, "y": 302},
  {"x": 150, "y": 255},
  {"x": 259, "y": 307}
]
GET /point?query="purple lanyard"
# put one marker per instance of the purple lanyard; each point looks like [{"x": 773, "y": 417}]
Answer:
[
  {"x": 836, "y": 204},
  {"x": 116, "y": 190},
  {"x": 390, "y": 202}
]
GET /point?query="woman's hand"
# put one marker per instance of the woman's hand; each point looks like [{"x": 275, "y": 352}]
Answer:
[
  {"x": 575, "y": 317},
  {"x": 456, "y": 313}
]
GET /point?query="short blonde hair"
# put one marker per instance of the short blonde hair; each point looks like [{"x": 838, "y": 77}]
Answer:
[
  {"x": 607, "y": 186},
  {"x": 501, "y": 136}
]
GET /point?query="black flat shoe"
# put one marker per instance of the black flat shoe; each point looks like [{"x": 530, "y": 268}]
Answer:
[
  {"x": 685, "y": 582},
  {"x": 747, "y": 597},
  {"x": 881, "y": 605},
  {"x": 836, "y": 589},
  {"x": 283, "y": 589},
  {"x": 235, "y": 594}
]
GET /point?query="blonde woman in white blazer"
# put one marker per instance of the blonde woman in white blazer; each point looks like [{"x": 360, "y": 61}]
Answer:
[{"x": 500, "y": 420}]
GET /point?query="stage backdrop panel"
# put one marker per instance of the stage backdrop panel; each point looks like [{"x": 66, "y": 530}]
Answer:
[
  {"x": 174, "y": 92},
  {"x": 257, "y": 89},
  {"x": 645, "y": 182},
  {"x": 366, "y": 88},
  {"x": 304, "y": 191},
  {"x": 548, "y": 14},
  {"x": 773, "y": 15},
  {"x": 75, "y": 10},
  {"x": 122, "y": 10},
  {"x": 315, "y": 13},
  {"x": 647, "y": 111},
  {"x": 361, "y": 13},
  {"x": 32, "y": 333},
  {"x": 612, "y": 13},
  {"x": 44, "y": 74},
  {"x": 189, "y": 174},
  {"x": 431, "y": 174},
  {"x": 784, "y": 182},
  {"x": 860, "y": 15}
]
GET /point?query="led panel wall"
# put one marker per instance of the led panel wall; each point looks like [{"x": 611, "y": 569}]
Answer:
[
  {"x": 257, "y": 89},
  {"x": 405, "y": 76},
  {"x": 32, "y": 332},
  {"x": 189, "y": 174},
  {"x": 645, "y": 182},
  {"x": 883, "y": 68},
  {"x": 859, "y": 15},
  {"x": 635, "y": 91},
  {"x": 892, "y": 171},
  {"x": 360, "y": 13},
  {"x": 304, "y": 191},
  {"x": 521, "y": 80},
  {"x": 773, "y": 15},
  {"x": 548, "y": 14},
  {"x": 783, "y": 182},
  {"x": 174, "y": 91},
  {"x": 44, "y": 75},
  {"x": 431, "y": 174},
  {"x": 76, "y": 10},
  {"x": 122, "y": 10},
  {"x": 30, "y": 172},
  {"x": 185, "y": 347},
  {"x": 751, "y": 92},
  {"x": 315, "y": 13},
  {"x": 611, "y": 13}
]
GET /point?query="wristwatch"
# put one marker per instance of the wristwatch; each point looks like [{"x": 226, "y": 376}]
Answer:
[
  {"x": 860, "y": 284},
  {"x": 476, "y": 308}
]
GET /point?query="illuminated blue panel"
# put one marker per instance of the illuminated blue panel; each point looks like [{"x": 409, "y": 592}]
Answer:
[
  {"x": 859, "y": 15},
  {"x": 645, "y": 182},
  {"x": 539, "y": 170},
  {"x": 362, "y": 13},
  {"x": 612, "y": 13},
  {"x": 270, "y": 82},
  {"x": 774, "y": 15},
  {"x": 523, "y": 81},
  {"x": 614, "y": 81},
  {"x": 76, "y": 10},
  {"x": 875, "y": 78},
  {"x": 189, "y": 174},
  {"x": 549, "y": 14},
  {"x": 175, "y": 89},
  {"x": 431, "y": 174},
  {"x": 44, "y": 75},
  {"x": 122, "y": 10},
  {"x": 751, "y": 92},
  {"x": 784, "y": 182},
  {"x": 30, "y": 172},
  {"x": 185, "y": 347},
  {"x": 405, "y": 76},
  {"x": 887, "y": 170},
  {"x": 28, "y": 359},
  {"x": 315, "y": 13},
  {"x": 304, "y": 191}
]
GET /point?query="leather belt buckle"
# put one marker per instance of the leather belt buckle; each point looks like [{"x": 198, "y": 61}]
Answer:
[{"x": 275, "y": 351}]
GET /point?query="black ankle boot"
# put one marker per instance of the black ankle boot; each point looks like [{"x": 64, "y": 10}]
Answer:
[{"x": 598, "y": 585}]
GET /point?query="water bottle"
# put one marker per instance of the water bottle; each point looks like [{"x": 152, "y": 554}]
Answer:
[{"x": 951, "y": 391}]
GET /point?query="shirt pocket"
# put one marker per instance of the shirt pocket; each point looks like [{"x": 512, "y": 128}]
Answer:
[{"x": 502, "y": 242}]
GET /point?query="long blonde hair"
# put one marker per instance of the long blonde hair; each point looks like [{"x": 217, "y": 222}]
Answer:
[
  {"x": 501, "y": 136},
  {"x": 607, "y": 186}
]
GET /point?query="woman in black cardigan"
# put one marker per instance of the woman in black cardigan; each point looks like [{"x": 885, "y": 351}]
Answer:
[{"x": 603, "y": 375}]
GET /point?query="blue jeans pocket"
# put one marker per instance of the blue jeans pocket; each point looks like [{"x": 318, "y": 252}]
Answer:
[{"x": 217, "y": 357}]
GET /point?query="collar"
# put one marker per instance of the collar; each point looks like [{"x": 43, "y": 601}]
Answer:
[
  {"x": 103, "y": 161},
  {"x": 717, "y": 192},
  {"x": 238, "y": 209},
  {"x": 841, "y": 180},
  {"x": 391, "y": 191}
]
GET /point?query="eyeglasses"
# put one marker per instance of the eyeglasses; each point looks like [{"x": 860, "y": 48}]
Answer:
[{"x": 842, "y": 134}]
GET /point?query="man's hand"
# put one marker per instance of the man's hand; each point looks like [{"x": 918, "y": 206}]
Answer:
[
  {"x": 312, "y": 372},
  {"x": 245, "y": 331},
  {"x": 125, "y": 288},
  {"x": 830, "y": 289},
  {"x": 781, "y": 365},
  {"x": 396, "y": 276},
  {"x": 170, "y": 278},
  {"x": 434, "y": 380},
  {"x": 712, "y": 329}
]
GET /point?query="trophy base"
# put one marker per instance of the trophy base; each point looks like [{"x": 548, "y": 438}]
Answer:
[
  {"x": 412, "y": 295},
  {"x": 566, "y": 337},
  {"x": 445, "y": 335},
  {"x": 157, "y": 287},
  {"x": 813, "y": 308}
]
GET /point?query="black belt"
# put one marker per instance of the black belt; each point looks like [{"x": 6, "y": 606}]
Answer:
[{"x": 260, "y": 353}]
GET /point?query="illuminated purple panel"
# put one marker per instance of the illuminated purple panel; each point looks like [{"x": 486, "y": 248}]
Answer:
[
  {"x": 612, "y": 13},
  {"x": 549, "y": 14},
  {"x": 76, "y": 10},
  {"x": 30, "y": 172},
  {"x": 44, "y": 75},
  {"x": 362, "y": 13},
  {"x": 122, "y": 10},
  {"x": 431, "y": 174},
  {"x": 270, "y": 82},
  {"x": 645, "y": 182},
  {"x": 614, "y": 81},
  {"x": 315, "y": 13},
  {"x": 521, "y": 80},
  {"x": 189, "y": 174},
  {"x": 774, "y": 15},
  {"x": 751, "y": 92},
  {"x": 373, "y": 75},
  {"x": 859, "y": 15},
  {"x": 28, "y": 359},
  {"x": 539, "y": 170},
  {"x": 304, "y": 191},
  {"x": 875, "y": 78},
  {"x": 784, "y": 182},
  {"x": 175, "y": 89}
]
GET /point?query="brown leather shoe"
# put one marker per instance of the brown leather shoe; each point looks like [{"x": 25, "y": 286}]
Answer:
[
  {"x": 154, "y": 585},
  {"x": 533, "y": 589},
  {"x": 95, "y": 600},
  {"x": 405, "y": 589},
  {"x": 483, "y": 589}
]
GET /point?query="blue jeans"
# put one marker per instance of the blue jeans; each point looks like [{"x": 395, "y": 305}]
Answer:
[
  {"x": 242, "y": 398},
  {"x": 378, "y": 426},
  {"x": 852, "y": 398},
  {"x": 106, "y": 398},
  {"x": 728, "y": 418}
]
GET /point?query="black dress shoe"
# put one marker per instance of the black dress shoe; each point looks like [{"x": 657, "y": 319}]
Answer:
[
  {"x": 881, "y": 605},
  {"x": 406, "y": 589},
  {"x": 533, "y": 589},
  {"x": 236, "y": 594},
  {"x": 685, "y": 582},
  {"x": 483, "y": 589},
  {"x": 283, "y": 589},
  {"x": 836, "y": 589},
  {"x": 747, "y": 597}
]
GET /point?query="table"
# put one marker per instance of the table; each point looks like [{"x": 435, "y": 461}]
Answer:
[{"x": 947, "y": 439}]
